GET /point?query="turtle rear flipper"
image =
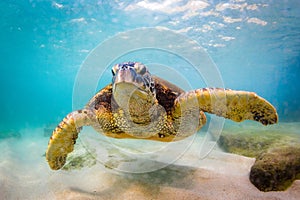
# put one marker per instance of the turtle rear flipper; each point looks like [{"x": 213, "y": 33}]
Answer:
[
  {"x": 231, "y": 104},
  {"x": 64, "y": 137}
]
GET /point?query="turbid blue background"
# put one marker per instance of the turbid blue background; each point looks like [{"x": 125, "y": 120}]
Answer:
[{"x": 43, "y": 44}]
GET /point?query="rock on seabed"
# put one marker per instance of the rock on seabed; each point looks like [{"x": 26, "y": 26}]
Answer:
[
  {"x": 276, "y": 169},
  {"x": 277, "y": 155}
]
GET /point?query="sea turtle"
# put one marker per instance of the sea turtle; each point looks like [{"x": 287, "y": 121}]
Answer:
[{"x": 143, "y": 106}]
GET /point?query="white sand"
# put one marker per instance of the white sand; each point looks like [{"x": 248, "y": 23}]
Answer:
[{"x": 24, "y": 174}]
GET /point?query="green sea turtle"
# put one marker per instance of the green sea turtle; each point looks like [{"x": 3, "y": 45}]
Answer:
[{"x": 142, "y": 106}]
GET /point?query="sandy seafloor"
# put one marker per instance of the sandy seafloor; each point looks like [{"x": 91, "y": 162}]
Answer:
[{"x": 24, "y": 174}]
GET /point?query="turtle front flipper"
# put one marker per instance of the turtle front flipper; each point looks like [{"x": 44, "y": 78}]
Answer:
[
  {"x": 64, "y": 137},
  {"x": 231, "y": 104}
]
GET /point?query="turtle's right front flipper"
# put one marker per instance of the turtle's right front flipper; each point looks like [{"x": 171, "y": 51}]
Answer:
[{"x": 64, "y": 137}]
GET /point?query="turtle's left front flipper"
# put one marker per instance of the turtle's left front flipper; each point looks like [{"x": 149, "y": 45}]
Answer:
[
  {"x": 231, "y": 104},
  {"x": 64, "y": 137}
]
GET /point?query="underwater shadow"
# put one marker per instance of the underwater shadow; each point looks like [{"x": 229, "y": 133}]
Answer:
[{"x": 147, "y": 184}]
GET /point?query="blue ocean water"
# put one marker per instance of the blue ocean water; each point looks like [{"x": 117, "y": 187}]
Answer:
[{"x": 254, "y": 45}]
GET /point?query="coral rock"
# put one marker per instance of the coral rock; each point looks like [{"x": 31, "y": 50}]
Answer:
[{"x": 276, "y": 169}]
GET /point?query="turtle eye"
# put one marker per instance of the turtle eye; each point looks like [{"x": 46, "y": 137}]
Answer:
[
  {"x": 114, "y": 69},
  {"x": 140, "y": 68}
]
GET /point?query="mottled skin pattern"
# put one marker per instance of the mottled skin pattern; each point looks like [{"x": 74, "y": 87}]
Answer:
[{"x": 141, "y": 106}]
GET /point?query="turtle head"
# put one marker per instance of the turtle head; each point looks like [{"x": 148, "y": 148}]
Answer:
[{"x": 133, "y": 86}]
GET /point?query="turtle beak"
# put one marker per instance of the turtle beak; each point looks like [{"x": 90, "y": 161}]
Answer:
[
  {"x": 128, "y": 75},
  {"x": 125, "y": 75}
]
